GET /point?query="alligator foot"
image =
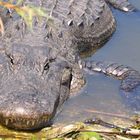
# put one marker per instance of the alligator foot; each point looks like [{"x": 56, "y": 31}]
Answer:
[
  {"x": 130, "y": 80},
  {"x": 123, "y": 5}
]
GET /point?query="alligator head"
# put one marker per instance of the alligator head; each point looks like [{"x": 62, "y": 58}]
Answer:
[
  {"x": 34, "y": 81},
  {"x": 32, "y": 86},
  {"x": 30, "y": 91},
  {"x": 35, "y": 66}
]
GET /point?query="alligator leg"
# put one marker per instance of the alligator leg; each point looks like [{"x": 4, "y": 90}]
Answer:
[
  {"x": 123, "y": 5},
  {"x": 130, "y": 79}
]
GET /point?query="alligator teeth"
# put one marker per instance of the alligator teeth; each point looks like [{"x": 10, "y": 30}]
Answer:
[
  {"x": 6, "y": 121},
  {"x": 33, "y": 123},
  {"x": 28, "y": 122}
]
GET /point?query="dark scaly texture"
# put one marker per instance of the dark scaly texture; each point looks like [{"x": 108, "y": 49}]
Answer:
[
  {"x": 130, "y": 80},
  {"x": 37, "y": 67},
  {"x": 123, "y": 5},
  {"x": 129, "y": 77}
]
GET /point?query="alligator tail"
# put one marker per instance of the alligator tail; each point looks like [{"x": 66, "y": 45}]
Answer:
[
  {"x": 130, "y": 79},
  {"x": 123, "y": 5}
]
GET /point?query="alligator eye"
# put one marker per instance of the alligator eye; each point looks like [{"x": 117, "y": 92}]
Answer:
[
  {"x": 46, "y": 66},
  {"x": 10, "y": 58},
  {"x": 47, "y": 63}
]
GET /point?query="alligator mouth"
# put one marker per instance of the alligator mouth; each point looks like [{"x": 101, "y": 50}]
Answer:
[
  {"x": 20, "y": 123},
  {"x": 24, "y": 113},
  {"x": 29, "y": 101},
  {"x": 30, "y": 109}
]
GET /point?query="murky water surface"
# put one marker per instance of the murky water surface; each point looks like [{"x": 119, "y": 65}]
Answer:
[{"x": 101, "y": 94}]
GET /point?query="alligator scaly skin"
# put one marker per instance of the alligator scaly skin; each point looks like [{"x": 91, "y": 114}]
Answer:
[
  {"x": 129, "y": 77},
  {"x": 36, "y": 66},
  {"x": 130, "y": 80}
]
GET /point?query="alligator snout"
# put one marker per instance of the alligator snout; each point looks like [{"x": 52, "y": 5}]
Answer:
[
  {"x": 27, "y": 110},
  {"x": 28, "y": 100},
  {"x": 25, "y": 124}
]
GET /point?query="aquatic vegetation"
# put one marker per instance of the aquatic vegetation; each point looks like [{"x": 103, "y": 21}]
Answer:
[{"x": 97, "y": 130}]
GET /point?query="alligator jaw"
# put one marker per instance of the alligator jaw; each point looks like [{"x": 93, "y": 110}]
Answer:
[
  {"x": 22, "y": 123},
  {"x": 33, "y": 103},
  {"x": 28, "y": 111}
]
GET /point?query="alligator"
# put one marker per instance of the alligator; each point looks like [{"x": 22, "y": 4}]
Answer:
[{"x": 39, "y": 67}]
